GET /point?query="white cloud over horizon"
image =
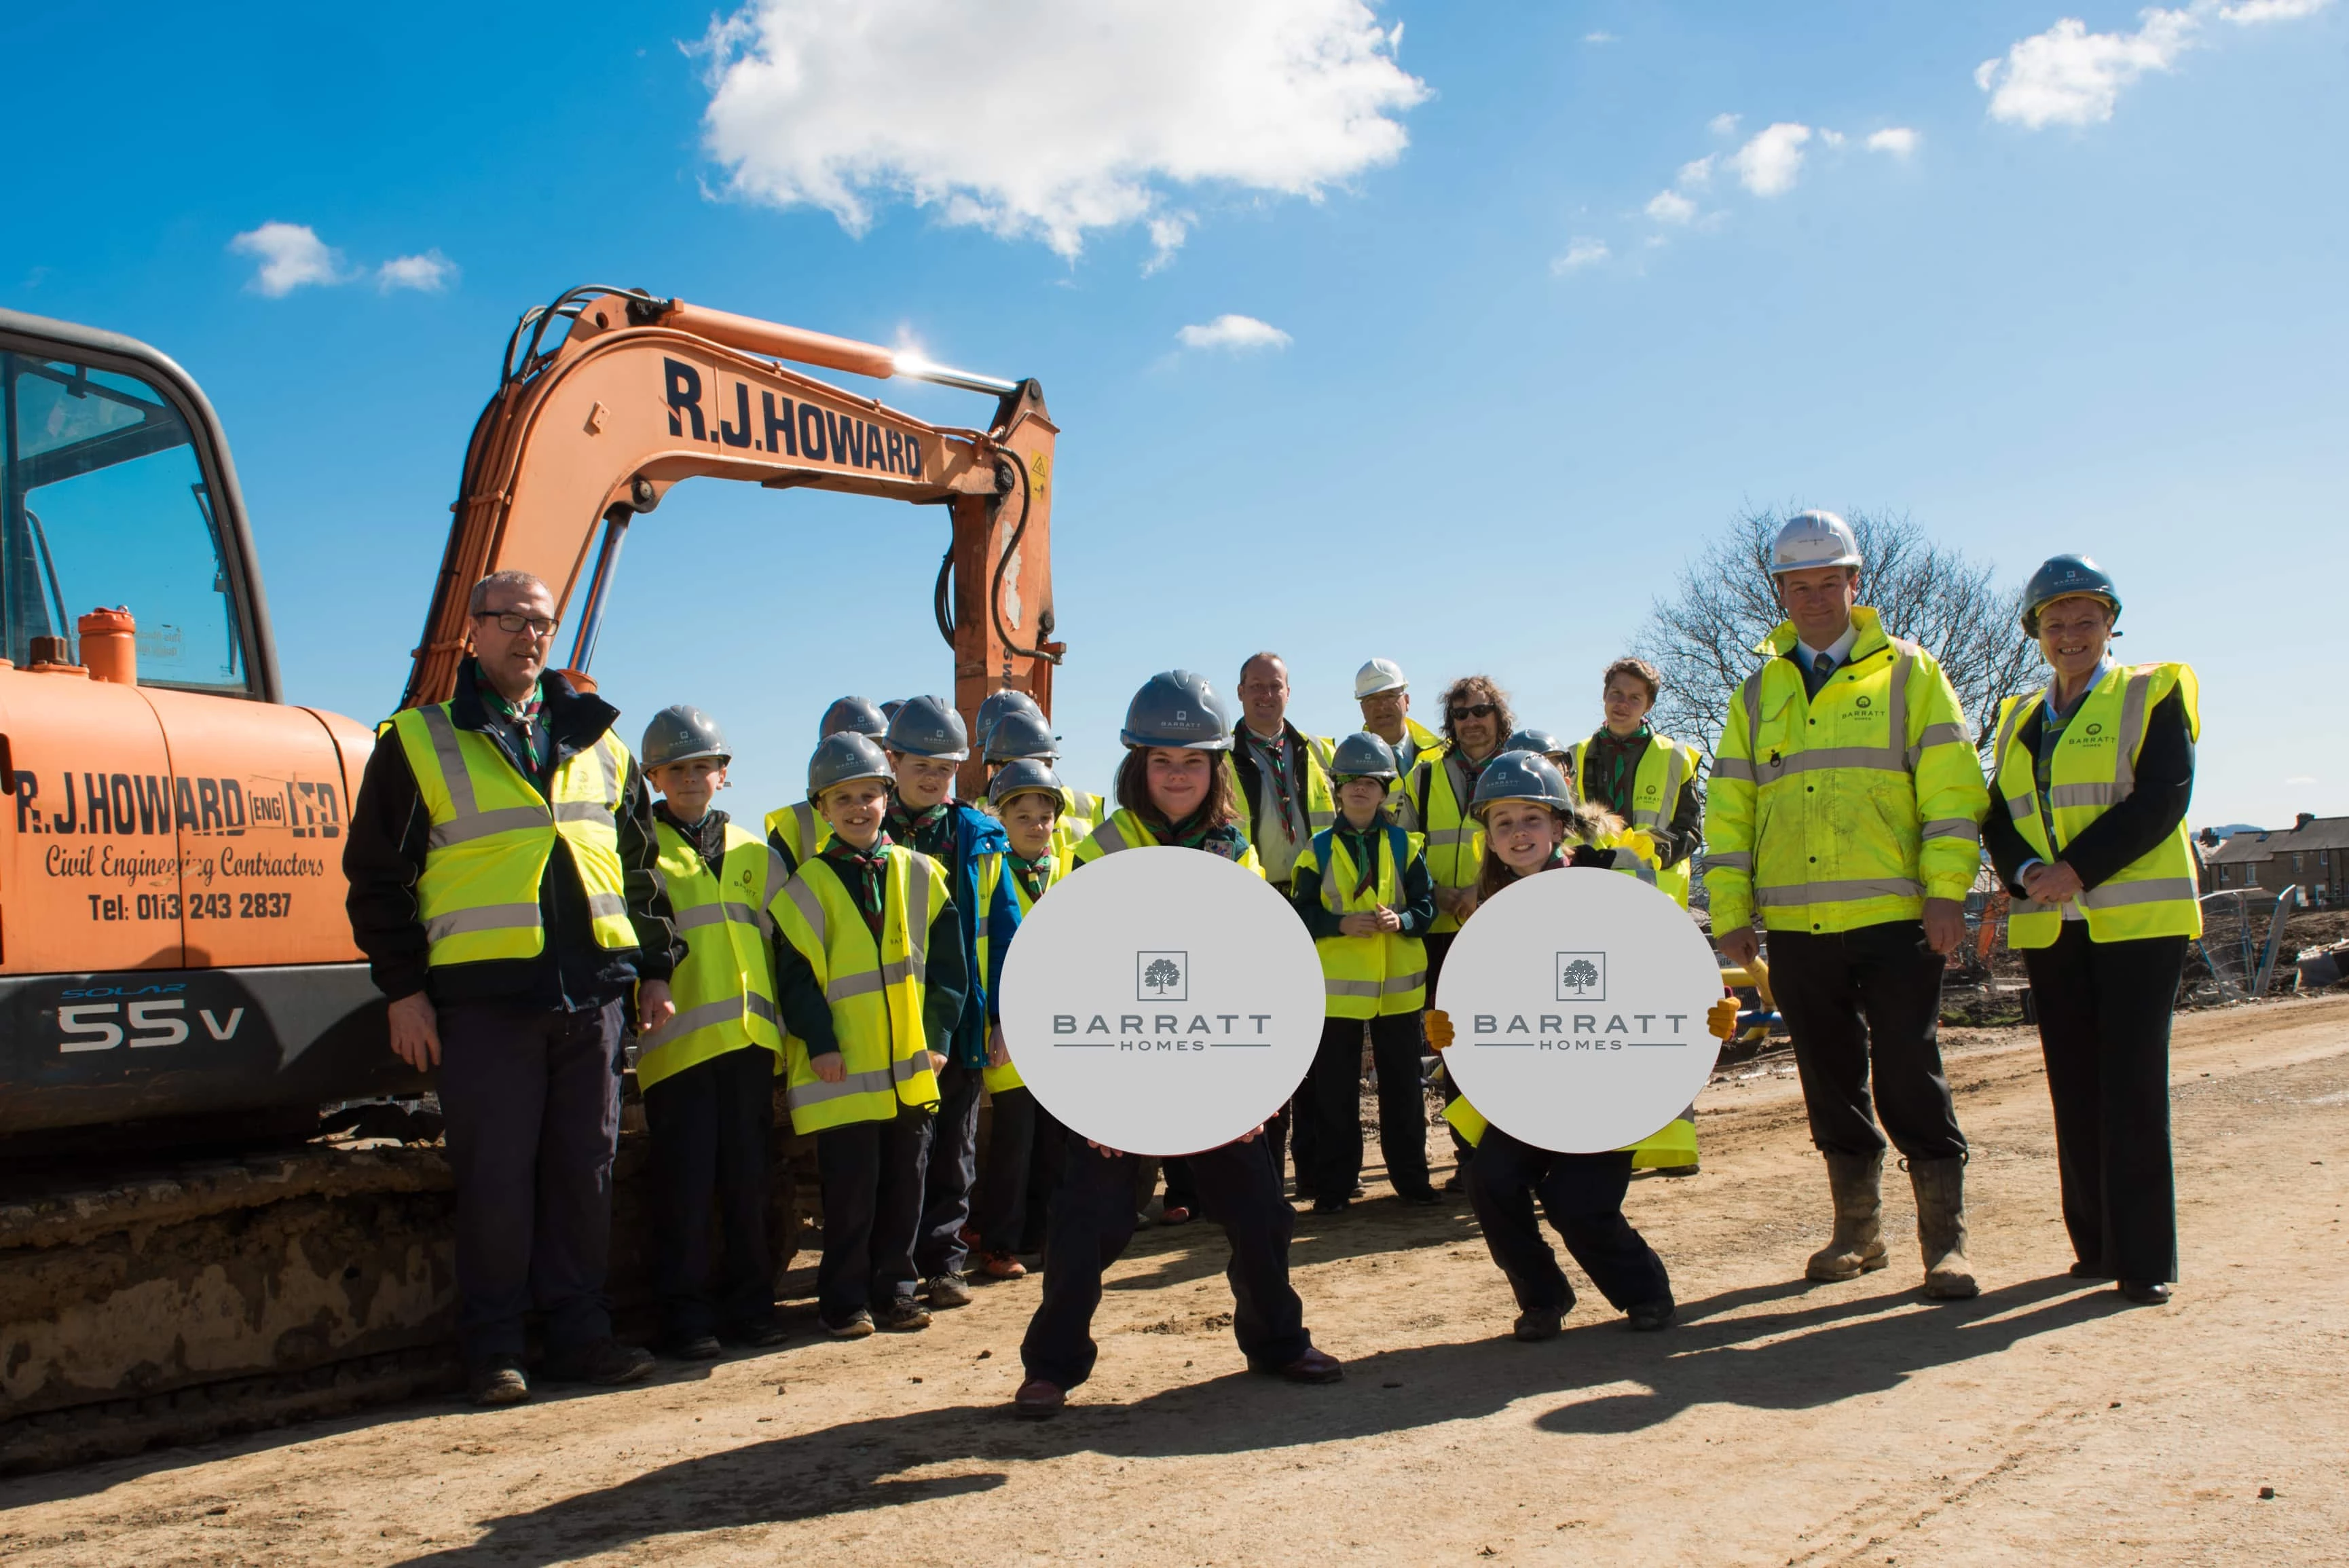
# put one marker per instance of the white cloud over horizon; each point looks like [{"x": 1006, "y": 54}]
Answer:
[
  {"x": 1234, "y": 333},
  {"x": 1082, "y": 125},
  {"x": 292, "y": 257},
  {"x": 2069, "y": 76}
]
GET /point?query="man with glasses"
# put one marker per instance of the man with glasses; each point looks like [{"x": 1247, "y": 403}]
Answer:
[{"x": 502, "y": 884}]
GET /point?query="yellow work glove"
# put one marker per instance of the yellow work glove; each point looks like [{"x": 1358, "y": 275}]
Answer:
[
  {"x": 1439, "y": 1030},
  {"x": 1722, "y": 1021}
]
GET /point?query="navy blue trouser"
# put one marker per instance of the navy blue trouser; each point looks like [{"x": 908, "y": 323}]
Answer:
[
  {"x": 1332, "y": 1103},
  {"x": 1865, "y": 1008},
  {"x": 871, "y": 1174},
  {"x": 1000, "y": 1205},
  {"x": 953, "y": 1171},
  {"x": 1092, "y": 1220},
  {"x": 1583, "y": 1196},
  {"x": 711, "y": 1125},
  {"x": 531, "y": 1099}
]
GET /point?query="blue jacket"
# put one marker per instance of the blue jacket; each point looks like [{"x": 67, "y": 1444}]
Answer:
[{"x": 976, "y": 834}]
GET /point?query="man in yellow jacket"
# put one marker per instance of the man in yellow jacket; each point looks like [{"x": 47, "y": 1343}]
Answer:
[{"x": 1847, "y": 806}]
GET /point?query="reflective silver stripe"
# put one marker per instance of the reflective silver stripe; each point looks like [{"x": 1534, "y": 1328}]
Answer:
[
  {"x": 1448, "y": 836},
  {"x": 2088, "y": 794},
  {"x": 486, "y": 917},
  {"x": 906, "y": 1069},
  {"x": 719, "y": 914},
  {"x": 1895, "y": 739},
  {"x": 725, "y": 1010},
  {"x": 2025, "y": 906},
  {"x": 1736, "y": 768},
  {"x": 1751, "y": 696},
  {"x": 2006, "y": 739},
  {"x": 1952, "y": 827},
  {"x": 1399, "y": 985},
  {"x": 803, "y": 814},
  {"x": 2154, "y": 890},
  {"x": 2021, "y": 805},
  {"x": 811, "y": 908},
  {"x": 460, "y": 782},
  {"x": 1868, "y": 758},
  {"x": 764, "y": 1008},
  {"x": 1675, "y": 774},
  {"x": 1350, "y": 987},
  {"x": 1110, "y": 837},
  {"x": 583, "y": 811},
  {"x": 486, "y": 824},
  {"x": 1936, "y": 735},
  {"x": 777, "y": 877},
  {"x": 600, "y": 904},
  {"x": 1836, "y": 891},
  {"x": 2132, "y": 735},
  {"x": 801, "y": 1096},
  {"x": 1729, "y": 860},
  {"x": 870, "y": 981},
  {"x": 917, "y": 916}
]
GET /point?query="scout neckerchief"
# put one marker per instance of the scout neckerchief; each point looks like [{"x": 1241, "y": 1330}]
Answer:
[
  {"x": 523, "y": 717},
  {"x": 1272, "y": 756},
  {"x": 867, "y": 873},
  {"x": 924, "y": 829}
]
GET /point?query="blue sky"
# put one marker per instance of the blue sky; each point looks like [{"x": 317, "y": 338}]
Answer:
[{"x": 2093, "y": 301}]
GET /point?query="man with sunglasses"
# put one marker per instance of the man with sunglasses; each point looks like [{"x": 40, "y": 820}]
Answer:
[{"x": 502, "y": 884}]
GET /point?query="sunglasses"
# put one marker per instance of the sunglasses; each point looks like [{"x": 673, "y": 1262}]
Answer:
[{"x": 1479, "y": 710}]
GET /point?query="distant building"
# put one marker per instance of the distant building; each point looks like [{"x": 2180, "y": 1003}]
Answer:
[{"x": 2313, "y": 853}]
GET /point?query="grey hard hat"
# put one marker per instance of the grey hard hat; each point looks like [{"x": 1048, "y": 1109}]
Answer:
[
  {"x": 1539, "y": 740},
  {"x": 2067, "y": 577},
  {"x": 843, "y": 758},
  {"x": 1520, "y": 775},
  {"x": 852, "y": 713},
  {"x": 889, "y": 709},
  {"x": 1023, "y": 776},
  {"x": 998, "y": 703},
  {"x": 1021, "y": 734},
  {"x": 1363, "y": 755},
  {"x": 682, "y": 733},
  {"x": 1812, "y": 539},
  {"x": 929, "y": 726},
  {"x": 1178, "y": 710}
]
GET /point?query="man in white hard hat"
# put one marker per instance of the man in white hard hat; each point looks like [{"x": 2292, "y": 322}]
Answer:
[
  {"x": 1385, "y": 697},
  {"x": 1847, "y": 807}
]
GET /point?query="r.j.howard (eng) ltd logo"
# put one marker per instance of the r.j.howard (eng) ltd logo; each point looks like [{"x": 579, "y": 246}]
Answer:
[
  {"x": 1582, "y": 976},
  {"x": 1162, "y": 977}
]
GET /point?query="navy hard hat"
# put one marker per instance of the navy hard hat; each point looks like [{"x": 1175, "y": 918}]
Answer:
[
  {"x": 1021, "y": 735},
  {"x": 1178, "y": 711},
  {"x": 852, "y": 713},
  {"x": 998, "y": 703},
  {"x": 1520, "y": 775},
  {"x": 843, "y": 758},
  {"x": 1023, "y": 776},
  {"x": 682, "y": 733},
  {"x": 929, "y": 726},
  {"x": 1537, "y": 740},
  {"x": 2067, "y": 577},
  {"x": 1363, "y": 755}
]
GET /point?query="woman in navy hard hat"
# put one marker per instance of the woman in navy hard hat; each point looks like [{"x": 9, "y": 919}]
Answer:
[
  {"x": 1172, "y": 789},
  {"x": 2090, "y": 779}
]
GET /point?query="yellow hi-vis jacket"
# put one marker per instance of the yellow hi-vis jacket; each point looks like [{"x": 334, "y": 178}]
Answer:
[
  {"x": 1672, "y": 1144},
  {"x": 799, "y": 830},
  {"x": 1321, "y": 805},
  {"x": 2093, "y": 771},
  {"x": 1437, "y": 799},
  {"x": 1667, "y": 769},
  {"x": 725, "y": 989},
  {"x": 1386, "y": 972},
  {"x": 1848, "y": 808},
  {"x": 492, "y": 834},
  {"x": 990, "y": 876},
  {"x": 877, "y": 990},
  {"x": 1124, "y": 831},
  {"x": 1080, "y": 814}
]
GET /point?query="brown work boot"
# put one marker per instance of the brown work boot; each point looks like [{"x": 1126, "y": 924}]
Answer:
[
  {"x": 1940, "y": 1188},
  {"x": 1858, "y": 1180}
]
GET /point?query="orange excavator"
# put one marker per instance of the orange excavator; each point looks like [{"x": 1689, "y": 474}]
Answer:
[{"x": 175, "y": 963}]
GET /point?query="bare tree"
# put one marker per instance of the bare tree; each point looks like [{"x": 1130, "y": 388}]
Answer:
[{"x": 1703, "y": 636}]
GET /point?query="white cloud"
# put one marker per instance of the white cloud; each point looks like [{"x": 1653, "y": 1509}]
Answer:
[
  {"x": 2069, "y": 76},
  {"x": 430, "y": 273},
  {"x": 1609, "y": 38},
  {"x": 1579, "y": 253},
  {"x": 1696, "y": 174},
  {"x": 1769, "y": 164},
  {"x": 1237, "y": 332},
  {"x": 1831, "y": 137},
  {"x": 292, "y": 257},
  {"x": 1058, "y": 118},
  {"x": 1671, "y": 207},
  {"x": 1897, "y": 140},
  {"x": 1723, "y": 124}
]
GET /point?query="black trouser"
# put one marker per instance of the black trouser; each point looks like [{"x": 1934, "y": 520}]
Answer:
[
  {"x": 871, "y": 1173},
  {"x": 2104, "y": 1026},
  {"x": 1000, "y": 1204},
  {"x": 953, "y": 1172},
  {"x": 1867, "y": 1003},
  {"x": 531, "y": 1099},
  {"x": 709, "y": 1125},
  {"x": 1181, "y": 1188},
  {"x": 1294, "y": 1136},
  {"x": 1583, "y": 1196},
  {"x": 1092, "y": 1220},
  {"x": 1439, "y": 946},
  {"x": 1337, "y": 1111},
  {"x": 1051, "y": 1147}
]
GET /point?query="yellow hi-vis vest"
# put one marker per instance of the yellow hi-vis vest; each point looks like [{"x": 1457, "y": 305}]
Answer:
[
  {"x": 1672, "y": 1144},
  {"x": 1080, "y": 814},
  {"x": 1124, "y": 831},
  {"x": 2094, "y": 770},
  {"x": 1375, "y": 976},
  {"x": 990, "y": 876},
  {"x": 800, "y": 830},
  {"x": 1321, "y": 805},
  {"x": 1438, "y": 798},
  {"x": 492, "y": 834},
  {"x": 877, "y": 990},
  {"x": 1666, "y": 770},
  {"x": 725, "y": 989},
  {"x": 1848, "y": 808}
]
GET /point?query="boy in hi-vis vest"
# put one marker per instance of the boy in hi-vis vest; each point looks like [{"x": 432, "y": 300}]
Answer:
[{"x": 707, "y": 1074}]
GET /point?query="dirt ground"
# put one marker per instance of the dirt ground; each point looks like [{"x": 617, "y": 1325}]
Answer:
[{"x": 1780, "y": 1423}]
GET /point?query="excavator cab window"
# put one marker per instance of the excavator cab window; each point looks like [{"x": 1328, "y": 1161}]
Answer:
[{"x": 104, "y": 502}]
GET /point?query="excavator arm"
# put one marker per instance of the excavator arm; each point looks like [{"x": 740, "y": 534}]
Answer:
[{"x": 589, "y": 429}]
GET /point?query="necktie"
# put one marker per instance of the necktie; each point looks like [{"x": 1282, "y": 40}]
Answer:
[{"x": 1823, "y": 665}]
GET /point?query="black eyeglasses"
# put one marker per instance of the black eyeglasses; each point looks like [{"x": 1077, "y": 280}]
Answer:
[
  {"x": 1480, "y": 710},
  {"x": 514, "y": 620}
]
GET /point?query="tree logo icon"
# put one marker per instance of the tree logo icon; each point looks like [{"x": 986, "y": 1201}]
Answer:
[
  {"x": 1582, "y": 976},
  {"x": 1162, "y": 977}
]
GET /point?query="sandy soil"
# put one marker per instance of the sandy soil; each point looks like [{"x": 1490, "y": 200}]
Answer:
[{"x": 1781, "y": 1423}]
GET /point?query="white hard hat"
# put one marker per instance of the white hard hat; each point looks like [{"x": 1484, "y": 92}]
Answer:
[
  {"x": 1378, "y": 676},
  {"x": 1814, "y": 539}
]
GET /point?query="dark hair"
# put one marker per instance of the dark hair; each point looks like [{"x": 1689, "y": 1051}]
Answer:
[
  {"x": 1480, "y": 688},
  {"x": 1639, "y": 669},
  {"x": 1133, "y": 788},
  {"x": 1588, "y": 824}
]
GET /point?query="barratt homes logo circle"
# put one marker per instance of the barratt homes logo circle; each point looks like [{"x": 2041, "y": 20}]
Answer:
[
  {"x": 1578, "y": 1000},
  {"x": 1160, "y": 1001}
]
